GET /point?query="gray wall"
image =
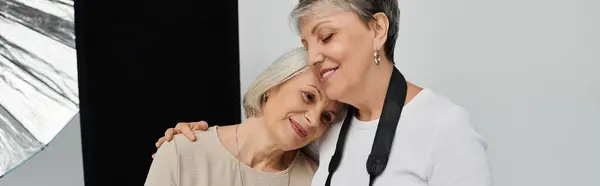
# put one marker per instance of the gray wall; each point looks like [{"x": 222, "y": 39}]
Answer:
[
  {"x": 60, "y": 164},
  {"x": 525, "y": 69}
]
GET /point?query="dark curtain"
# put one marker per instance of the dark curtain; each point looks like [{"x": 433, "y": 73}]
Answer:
[{"x": 143, "y": 67}]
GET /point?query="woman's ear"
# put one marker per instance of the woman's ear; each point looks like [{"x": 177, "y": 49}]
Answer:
[
  {"x": 264, "y": 98},
  {"x": 380, "y": 25},
  {"x": 269, "y": 92}
]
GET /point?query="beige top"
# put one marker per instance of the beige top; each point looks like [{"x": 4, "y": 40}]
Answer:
[{"x": 206, "y": 162}]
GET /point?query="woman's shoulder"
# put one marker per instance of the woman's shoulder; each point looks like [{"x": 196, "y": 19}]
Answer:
[
  {"x": 443, "y": 105},
  {"x": 450, "y": 121},
  {"x": 302, "y": 170},
  {"x": 434, "y": 105},
  {"x": 429, "y": 99},
  {"x": 201, "y": 135},
  {"x": 437, "y": 113},
  {"x": 205, "y": 141},
  {"x": 304, "y": 162}
]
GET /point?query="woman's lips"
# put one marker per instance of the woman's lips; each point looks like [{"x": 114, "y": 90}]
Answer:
[
  {"x": 327, "y": 73},
  {"x": 300, "y": 131}
]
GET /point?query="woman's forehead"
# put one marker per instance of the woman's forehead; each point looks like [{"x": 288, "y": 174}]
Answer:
[
  {"x": 313, "y": 18},
  {"x": 308, "y": 77}
]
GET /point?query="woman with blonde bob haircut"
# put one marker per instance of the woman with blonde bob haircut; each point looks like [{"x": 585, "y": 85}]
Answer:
[{"x": 285, "y": 109}]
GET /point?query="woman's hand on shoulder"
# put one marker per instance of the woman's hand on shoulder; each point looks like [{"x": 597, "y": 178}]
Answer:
[{"x": 185, "y": 128}]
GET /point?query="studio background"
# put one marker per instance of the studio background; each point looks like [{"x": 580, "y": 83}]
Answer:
[{"x": 526, "y": 70}]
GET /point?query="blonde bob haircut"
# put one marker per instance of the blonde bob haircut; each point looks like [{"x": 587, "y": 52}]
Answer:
[{"x": 282, "y": 69}]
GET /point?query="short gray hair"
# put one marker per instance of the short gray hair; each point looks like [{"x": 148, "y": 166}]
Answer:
[
  {"x": 282, "y": 69},
  {"x": 364, "y": 8}
]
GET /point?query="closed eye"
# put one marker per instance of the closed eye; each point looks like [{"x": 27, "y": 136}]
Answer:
[{"x": 327, "y": 38}]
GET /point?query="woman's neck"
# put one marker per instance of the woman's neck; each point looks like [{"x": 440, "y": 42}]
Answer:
[
  {"x": 370, "y": 96},
  {"x": 256, "y": 147}
]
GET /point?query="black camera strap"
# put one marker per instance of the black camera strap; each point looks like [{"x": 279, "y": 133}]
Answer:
[{"x": 386, "y": 130}]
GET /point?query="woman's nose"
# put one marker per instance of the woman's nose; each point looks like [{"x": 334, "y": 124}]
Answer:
[
  {"x": 315, "y": 58},
  {"x": 313, "y": 118}
]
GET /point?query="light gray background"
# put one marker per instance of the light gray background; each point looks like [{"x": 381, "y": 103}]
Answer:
[
  {"x": 58, "y": 165},
  {"x": 526, "y": 69}
]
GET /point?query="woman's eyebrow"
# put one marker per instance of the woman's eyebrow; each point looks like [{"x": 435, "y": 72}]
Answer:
[{"x": 318, "y": 91}]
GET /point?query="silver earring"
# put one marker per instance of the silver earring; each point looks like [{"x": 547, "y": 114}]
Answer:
[{"x": 377, "y": 57}]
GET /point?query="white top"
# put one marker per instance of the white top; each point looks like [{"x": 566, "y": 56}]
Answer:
[{"x": 435, "y": 145}]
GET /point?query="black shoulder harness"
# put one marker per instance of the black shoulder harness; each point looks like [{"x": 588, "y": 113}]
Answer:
[{"x": 386, "y": 130}]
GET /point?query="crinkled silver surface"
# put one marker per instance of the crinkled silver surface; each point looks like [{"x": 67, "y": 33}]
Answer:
[{"x": 38, "y": 76}]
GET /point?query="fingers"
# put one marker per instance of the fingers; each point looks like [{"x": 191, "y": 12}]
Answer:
[
  {"x": 160, "y": 142},
  {"x": 186, "y": 130},
  {"x": 153, "y": 155},
  {"x": 169, "y": 134},
  {"x": 201, "y": 125}
]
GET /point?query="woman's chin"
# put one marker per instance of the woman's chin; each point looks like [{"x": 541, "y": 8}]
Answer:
[
  {"x": 292, "y": 146},
  {"x": 334, "y": 92},
  {"x": 291, "y": 141}
]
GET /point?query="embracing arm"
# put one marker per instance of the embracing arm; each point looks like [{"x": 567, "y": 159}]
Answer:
[
  {"x": 185, "y": 128},
  {"x": 458, "y": 155},
  {"x": 188, "y": 128}
]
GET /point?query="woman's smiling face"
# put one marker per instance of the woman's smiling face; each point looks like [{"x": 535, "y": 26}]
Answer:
[{"x": 297, "y": 112}]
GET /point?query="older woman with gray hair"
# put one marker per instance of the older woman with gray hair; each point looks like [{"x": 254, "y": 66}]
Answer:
[
  {"x": 286, "y": 110},
  {"x": 395, "y": 132}
]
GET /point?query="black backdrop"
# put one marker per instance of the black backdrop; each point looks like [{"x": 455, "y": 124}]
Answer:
[{"x": 143, "y": 67}]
